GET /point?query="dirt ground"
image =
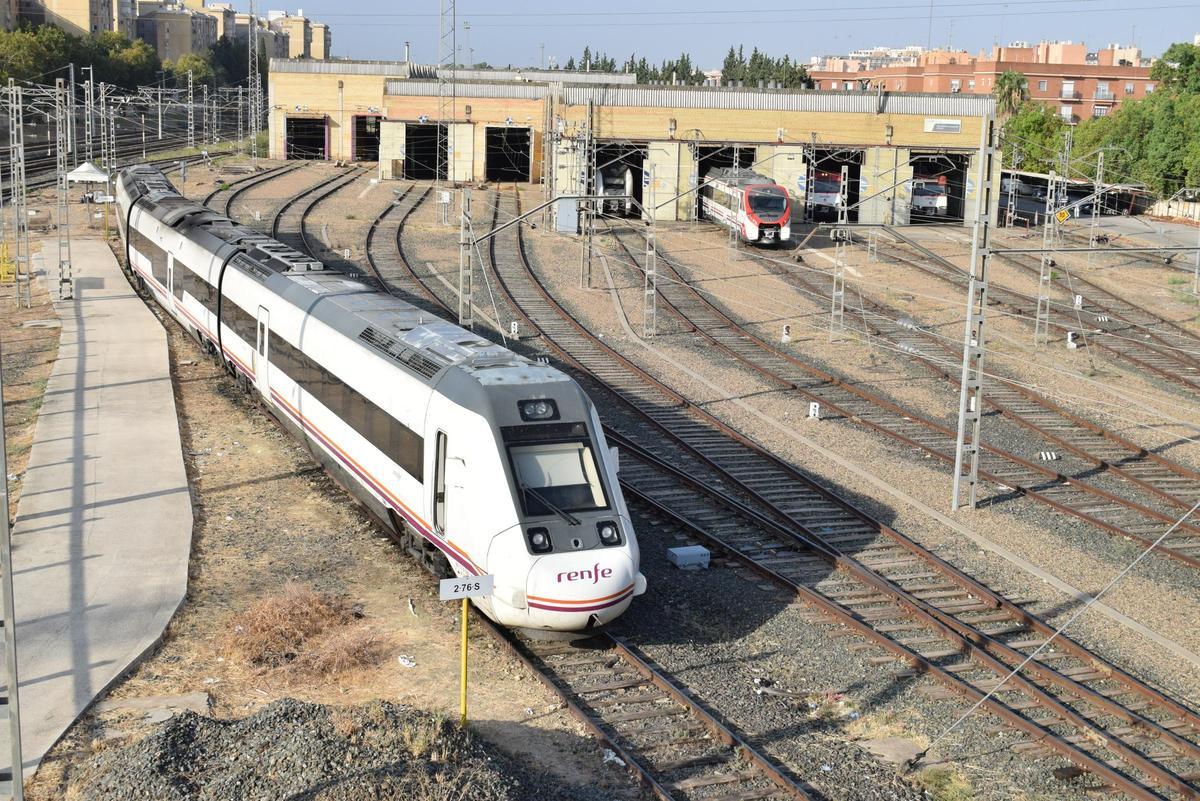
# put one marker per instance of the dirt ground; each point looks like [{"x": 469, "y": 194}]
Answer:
[
  {"x": 29, "y": 340},
  {"x": 266, "y": 516}
]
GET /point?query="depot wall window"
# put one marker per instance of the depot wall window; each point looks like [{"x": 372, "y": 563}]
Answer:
[
  {"x": 1100, "y": 111},
  {"x": 1129, "y": 88},
  {"x": 1149, "y": 88},
  {"x": 1064, "y": 112},
  {"x": 971, "y": 85},
  {"x": 956, "y": 85},
  {"x": 1043, "y": 86}
]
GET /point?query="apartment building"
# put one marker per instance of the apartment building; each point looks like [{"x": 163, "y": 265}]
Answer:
[
  {"x": 174, "y": 30},
  {"x": 79, "y": 17},
  {"x": 8, "y": 14},
  {"x": 223, "y": 13},
  {"x": 1076, "y": 82},
  {"x": 322, "y": 41},
  {"x": 274, "y": 44}
]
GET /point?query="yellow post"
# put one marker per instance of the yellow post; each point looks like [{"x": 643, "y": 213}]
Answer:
[{"x": 462, "y": 684}]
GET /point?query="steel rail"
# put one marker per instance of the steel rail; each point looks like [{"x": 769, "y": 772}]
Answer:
[
  {"x": 229, "y": 186},
  {"x": 1016, "y": 613},
  {"x": 1164, "y": 364},
  {"x": 624, "y": 681},
  {"x": 884, "y": 325},
  {"x": 913, "y": 429}
]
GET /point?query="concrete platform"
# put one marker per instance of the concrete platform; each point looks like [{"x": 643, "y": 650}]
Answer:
[{"x": 104, "y": 527}]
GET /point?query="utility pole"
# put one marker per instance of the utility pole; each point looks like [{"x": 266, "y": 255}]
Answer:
[
  {"x": 1010, "y": 205},
  {"x": 160, "y": 94},
  {"x": 1097, "y": 199},
  {"x": 191, "y": 132},
  {"x": 1041, "y": 325},
  {"x": 112, "y": 143},
  {"x": 447, "y": 88},
  {"x": 254, "y": 80},
  {"x": 241, "y": 132},
  {"x": 19, "y": 189},
  {"x": 970, "y": 398},
  {"x": 650, "y": 283},
  {"x": 837, "y": 297},
  {"x": 143, "y": 137},
  {"x": 586, "y": 211},
  {"x": 89, "y": 109},
  {"x": 66, "y": 283},
  {"x": 466, "y": 265},
  {"x": 10, "y": 698},
  {"x": 104, "y": 125},
  {"x": 71, "y": 118}
]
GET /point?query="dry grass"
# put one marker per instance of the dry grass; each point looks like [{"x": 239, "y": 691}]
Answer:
[
  {"x": 945, "y": 783},
  {"x": 342, "y": 650},
  {"x": 274, "y": 631}
]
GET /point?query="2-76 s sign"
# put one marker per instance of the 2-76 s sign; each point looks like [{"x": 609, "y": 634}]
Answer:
[{"x": 466, "y": 587}]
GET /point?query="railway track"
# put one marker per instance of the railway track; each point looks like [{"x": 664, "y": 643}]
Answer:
[
  {"x": 1116, "y": 514},
  {"x": 1107, "y": 330},
  {"x": 288, "y": 221},
  {"x": 899, "y": 596},
  {"x": 221, "y": 199},
  {"x": 671, "y": 745}
]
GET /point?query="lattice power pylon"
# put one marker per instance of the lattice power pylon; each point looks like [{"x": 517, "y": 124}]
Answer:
[
  {"x": 89, "y": 111},
  {"x": 104, "y": 125},
  {"x": 191, "y": 112},
  {"x": 447, "y": 87},
  {"x": 19, "y": 189},
  {"x": 253, "y": 78},
  {"x": 970, "y": 398},
  {"x": 66, "y": 282},
  {"x": 837, "y": 296}
]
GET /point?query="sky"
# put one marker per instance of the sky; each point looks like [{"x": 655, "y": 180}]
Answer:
[{"x": 523, "y": 31}]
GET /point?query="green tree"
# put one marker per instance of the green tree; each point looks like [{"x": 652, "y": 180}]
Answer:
[
  {"x": 198, "y": 65},
  {"x": 1037, "y": 131},
  {"x": 1179, "y": 68},
  {"x": 1011, "y": 90}
]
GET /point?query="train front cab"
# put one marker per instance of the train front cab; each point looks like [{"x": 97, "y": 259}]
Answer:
[{"x": 555, "y": 533}]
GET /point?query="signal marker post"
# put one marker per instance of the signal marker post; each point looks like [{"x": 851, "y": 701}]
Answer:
[{"x": 465, "y": 588}]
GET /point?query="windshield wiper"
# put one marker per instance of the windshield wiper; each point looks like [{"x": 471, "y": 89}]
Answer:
[{"x": 570, "y": 518}]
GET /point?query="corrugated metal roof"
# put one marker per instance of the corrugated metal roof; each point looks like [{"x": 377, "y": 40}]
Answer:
[
  {"x": 387, "y": 69},
  {"x": 780, "y": 100},
  {"x": 507, "y": 91},
  {"x": 959, "y": 105},
  {"x": 548, "y": 76}
]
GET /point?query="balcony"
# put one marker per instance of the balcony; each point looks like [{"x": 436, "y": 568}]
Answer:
[
  {"x": 1103, "y": 96},
  {"x": 1069, "y": 94}
]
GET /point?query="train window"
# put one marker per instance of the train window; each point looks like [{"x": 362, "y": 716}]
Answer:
[
  {"x": 439, "y": 482},
  {"x": 397, "y": 441},
  {"x": 559, "y": 475},
  {"x": 176, "y": 274},
  {"x": 768, "y": 200}
]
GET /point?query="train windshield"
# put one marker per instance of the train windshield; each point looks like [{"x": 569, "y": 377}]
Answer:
[
  {"x": 928, "y": 190},
  {"x": 556, "y": 477},
  {"x": 827, "y": 186},
  {"x": 770, "y": 201}
]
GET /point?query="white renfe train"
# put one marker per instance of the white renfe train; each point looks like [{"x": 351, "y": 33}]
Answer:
[
  {"x": 480, "y": 460},
  {"x": 754, "y": 206}
]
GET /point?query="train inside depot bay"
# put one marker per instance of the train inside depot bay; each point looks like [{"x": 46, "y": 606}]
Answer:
[
  {"x": 479, "y": 460},
  {"x": 755, "y": 207}
]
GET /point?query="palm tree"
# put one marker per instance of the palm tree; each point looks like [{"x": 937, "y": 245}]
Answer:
[{"x": 1011, "y": 90}]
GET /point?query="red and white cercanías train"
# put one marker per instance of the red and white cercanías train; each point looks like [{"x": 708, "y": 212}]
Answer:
[{"x": 759, "y": 209}]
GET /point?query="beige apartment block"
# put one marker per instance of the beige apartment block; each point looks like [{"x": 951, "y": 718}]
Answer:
[{"x": 79, "y": 17}]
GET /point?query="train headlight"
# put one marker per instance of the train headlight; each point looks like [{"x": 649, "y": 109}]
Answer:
[
  {"x": 609, "y": 533},
  {"x": 539, "y": 540},
  {"x": 535, "y": 410}
]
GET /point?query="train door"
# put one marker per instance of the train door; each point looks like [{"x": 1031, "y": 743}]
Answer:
[
  {"x": 261, "y": 373},
  {"x": 172, "y": 292},
  {"x": 439, "y": 483}
]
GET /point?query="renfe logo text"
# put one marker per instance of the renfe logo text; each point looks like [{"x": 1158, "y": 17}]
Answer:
[{"x": 595, "y": 573}]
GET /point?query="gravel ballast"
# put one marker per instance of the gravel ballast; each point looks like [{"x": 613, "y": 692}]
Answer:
[{"x": 292, "y": 749}]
